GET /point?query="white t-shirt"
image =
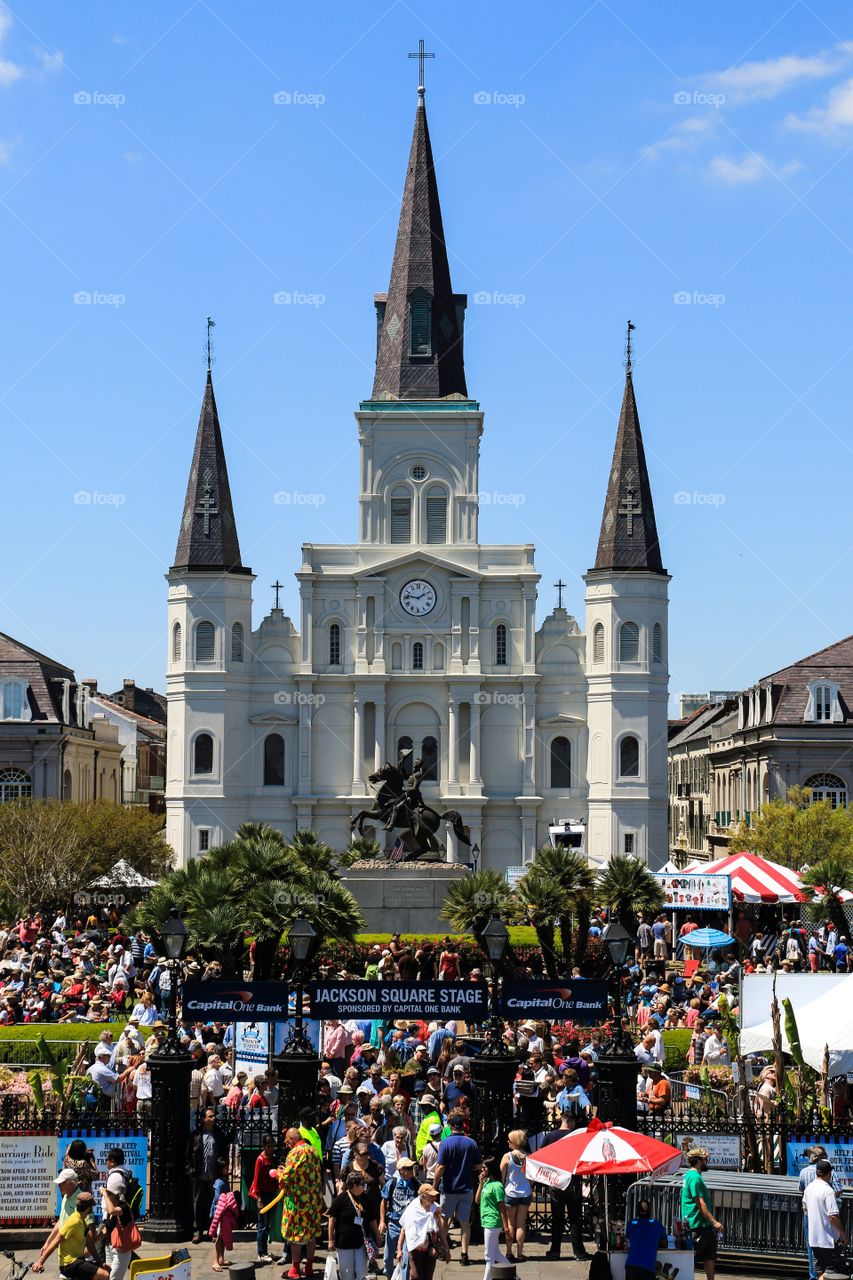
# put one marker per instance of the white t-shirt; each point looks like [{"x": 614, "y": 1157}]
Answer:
[
  {"x": 213, "y": 1082},
  {"x": 819, "y": 1204}
]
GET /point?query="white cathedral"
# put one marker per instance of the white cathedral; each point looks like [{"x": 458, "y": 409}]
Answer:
[{"x": 418, "y": 635}]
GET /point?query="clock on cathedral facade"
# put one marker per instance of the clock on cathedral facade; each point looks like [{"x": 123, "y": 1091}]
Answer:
[{"x": 418, "y": 636}]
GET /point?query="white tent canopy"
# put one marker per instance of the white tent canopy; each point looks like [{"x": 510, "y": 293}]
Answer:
[
  {"x": 123, "y": 876},
  {"x": 823, "y": 1008}
]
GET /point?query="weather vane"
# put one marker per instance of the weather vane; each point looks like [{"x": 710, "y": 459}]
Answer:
[
  {"x": 421, "y": 56},
  {"x": 628, "y": 366},
  {"x": 211, "y": 324}
]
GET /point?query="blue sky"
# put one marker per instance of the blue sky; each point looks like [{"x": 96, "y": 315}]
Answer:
[{"x": 597, "y": 161}]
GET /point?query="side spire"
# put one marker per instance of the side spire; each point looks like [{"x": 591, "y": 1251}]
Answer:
[
  {"x": 207, "y": 539},
  {"x": 420, "y": 319},
  {"x": 628, "y": 540}
]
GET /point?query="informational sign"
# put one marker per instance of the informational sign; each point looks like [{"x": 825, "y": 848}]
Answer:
[
  {"x": 839, "y": 1155},
  {"x": 134, "y": 1146},
  {"x": 723, "y": 1148},
  {"x": 514, "y": 874},
  {"x": 284, "y": 1030},
  {"x": 357, "y": 999},
  {"x": 696, "y": 892},
  {"x": 27, "y": 1172},
  {"x": 582, "y": 1000},
  {"x": 236, "y": 1001},
  {"x": 251, "y": 1047}
]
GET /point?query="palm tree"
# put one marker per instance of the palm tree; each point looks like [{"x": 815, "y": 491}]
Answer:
[
  {"x": 572, "y": 883},
  {"x": 364, "y": 847},
  {"x": 472, "y": 900},
  {"x": 541, "y": 905},
  {"x": 314, "y": 852},
  {"x": 830, "y": 877},
  {"x": 627, "y": 886}
]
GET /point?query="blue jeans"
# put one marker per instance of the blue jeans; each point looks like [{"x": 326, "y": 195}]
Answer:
[
  {"x": 392, "y": 1236},
  {"x": 263, "y": 1234}
]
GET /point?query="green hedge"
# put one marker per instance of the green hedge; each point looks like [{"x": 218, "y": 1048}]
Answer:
[
  {"x": 676, "y": 1043},
  {"x": 78, "y": 1031},
  {"x": 519, "y": 936}
]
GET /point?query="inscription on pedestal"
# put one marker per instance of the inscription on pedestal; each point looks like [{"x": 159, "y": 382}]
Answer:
[{"x": 403, "y": 896}]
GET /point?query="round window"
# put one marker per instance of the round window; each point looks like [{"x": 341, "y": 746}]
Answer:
[{"x": 418, "y": 471}]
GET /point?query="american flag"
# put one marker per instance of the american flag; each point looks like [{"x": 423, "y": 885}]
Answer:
[{"x": 397, "y": 851}]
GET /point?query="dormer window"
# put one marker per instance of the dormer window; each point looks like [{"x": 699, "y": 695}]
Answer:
[
  {"x": 823, "y": 703},
  {"x": 14, "y": 704},
  {"x": 420, "y": 325}
]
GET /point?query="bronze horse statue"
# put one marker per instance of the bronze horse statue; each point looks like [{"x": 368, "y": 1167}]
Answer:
[{"x": 399, "y": 804}]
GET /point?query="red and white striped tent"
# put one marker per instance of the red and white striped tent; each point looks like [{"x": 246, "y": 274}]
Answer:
[{"x": 754, "y": 879}]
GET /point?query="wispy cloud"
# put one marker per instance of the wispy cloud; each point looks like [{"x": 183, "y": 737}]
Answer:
[
  {"x": 51, "y": 62},
  {"x": 11, "y": 71},
  {"x": 748, "y": 168},
  {"x": 5, "y": 151},
  {"x": 832, "y": 119},
  {"x": 761, "y": 80},
  {"x": 687, "y": 135}
]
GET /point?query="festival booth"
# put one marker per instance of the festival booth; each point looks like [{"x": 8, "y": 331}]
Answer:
[
  {"x": 823, "y": 1007},
  {"x": 119, "y": 887}
]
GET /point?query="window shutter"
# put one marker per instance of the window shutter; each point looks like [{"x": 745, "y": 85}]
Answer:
[
  {"x": 401, "y": 520},
  {"x": 421, "y": 327},
  {"x": 205, "y": 637},
  {"x": 598, "y": 643},
  {"x": 436, "y": 516}
]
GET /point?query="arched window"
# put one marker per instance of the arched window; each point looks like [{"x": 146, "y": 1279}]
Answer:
[
  {"x": 629, "y": 757},
  {"x": 335, "y": 645},
  {"x": 598, "y": 642},
  {"x": 500, "y": 645},
  {"x": 273, "y": 760},
  {"x": 237, "y": 642},
  {"x": 417, "y": 656},
  {"x": 420, "y": 328},
  {"x": 436, "y": 514},
  {"x": 657, "y": 643},
  {"x": 177, "y": 642},
  {"x": 404, "y": 744},
  {"x": 561, "y": 763},
  {"x": 401, "y": 516},
  {"x": 205, "y": 639},
  {"x": 828, "y": 786},
  {"x": 429, "y": 755},
  {"x": 15, "y": 785},
  {"x": 629, "y": 642},
  {"x": 203, "y": 754}
]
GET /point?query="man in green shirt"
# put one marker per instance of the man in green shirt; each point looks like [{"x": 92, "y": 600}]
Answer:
[{"x": 696, "y": 1211}]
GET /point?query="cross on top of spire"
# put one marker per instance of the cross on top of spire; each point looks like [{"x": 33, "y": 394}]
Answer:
[
  {"x": 628, "y": 347},
  {"x": 561, "y": 586},
  {"x": 421, "y": 56}
]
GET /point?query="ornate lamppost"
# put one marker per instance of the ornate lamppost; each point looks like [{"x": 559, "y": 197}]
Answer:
[
  {"x": 617, "y": 1065},
  {"x": 297, "y": 1065},
  {"x": 170, "y": 1200},
  {"x": 494, "y": 1069}
]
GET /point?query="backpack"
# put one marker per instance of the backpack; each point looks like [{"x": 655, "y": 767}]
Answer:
[{"x": 132, "y": 1192}]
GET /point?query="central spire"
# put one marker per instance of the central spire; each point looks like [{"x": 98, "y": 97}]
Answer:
[{"x": 420, "y": 319}]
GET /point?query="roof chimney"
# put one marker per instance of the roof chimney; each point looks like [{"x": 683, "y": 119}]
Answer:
[
  {"x": 129, "y": 695},
  {"x": 91, "y": 684}
]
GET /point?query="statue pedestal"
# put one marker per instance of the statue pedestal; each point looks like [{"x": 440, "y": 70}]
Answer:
[{"x": 402, "y": 897}]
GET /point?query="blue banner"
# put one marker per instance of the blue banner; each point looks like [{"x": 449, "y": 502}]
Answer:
[
  {"x": 839, "y": 1154},
  {"x": 134, "y": 1146},
  {"x": 582, "y": 1000}
]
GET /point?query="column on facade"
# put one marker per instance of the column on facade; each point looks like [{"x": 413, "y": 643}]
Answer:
[
  {"x": 379, "y": 630},
  {"x": 307, "y": 624},
  {"x": 474, "y": 778},
  {"x": 529, "y": 623},
  {"x": 528, "y": 836},
  {"x": 452, "y": 846},
  {"x": 360, "y": 629},
  {"x": 305, "y": 713},
  {"x": 528, "y": 735},
  {"x": 379, "y": 732},
  {"x": 455, "y": 629},
  {"x": 474, "y": 633},
  {"x": 452, "y": 746},
  {"x": 357, "y": 748}
]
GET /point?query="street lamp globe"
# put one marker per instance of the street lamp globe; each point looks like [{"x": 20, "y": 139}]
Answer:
[
  {"x": 174, "y": 935},
  {"x": 302, "y": 940},
  {"x": 618, "y": 942},
  {"x": 495, "y": 938}
]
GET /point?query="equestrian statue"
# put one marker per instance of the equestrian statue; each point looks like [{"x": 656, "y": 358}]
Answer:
[{"x": 399, "y": 804}]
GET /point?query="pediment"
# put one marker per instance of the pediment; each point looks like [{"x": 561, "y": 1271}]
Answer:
[
  {"x": 274, "y": 717},
  {"x": 425, "y": 560}
]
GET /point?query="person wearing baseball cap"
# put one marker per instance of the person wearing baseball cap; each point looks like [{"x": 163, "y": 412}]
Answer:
[
  {"x": 697, "y": 1212},
  {"x": 398, "y": 1192},
  {"x": 69, "y": 1236}
]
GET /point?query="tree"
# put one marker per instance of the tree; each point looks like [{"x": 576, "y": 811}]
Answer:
[
  {"x": 796, "y": 832},
  {"x": 472, "y": 900},
  {"x": 50, "y": 849},
  {"x": 555, "y": 892},
  {"x": 255, "y": 886},
  {"x": 830, "y": 878},
  {"x": 627, "y": 886}
]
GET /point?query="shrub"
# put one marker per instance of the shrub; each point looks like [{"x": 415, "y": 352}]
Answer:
[{"x": 676, "y": 1043}]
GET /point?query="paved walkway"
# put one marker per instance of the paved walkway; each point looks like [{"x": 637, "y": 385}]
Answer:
[{"x": 535, "y": 1268}]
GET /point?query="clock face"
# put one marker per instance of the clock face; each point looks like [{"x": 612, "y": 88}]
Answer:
[{"x": 418, "y": 597}]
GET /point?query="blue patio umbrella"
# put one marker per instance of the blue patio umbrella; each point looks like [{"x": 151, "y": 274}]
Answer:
[{"x": 708, "y": 939}]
